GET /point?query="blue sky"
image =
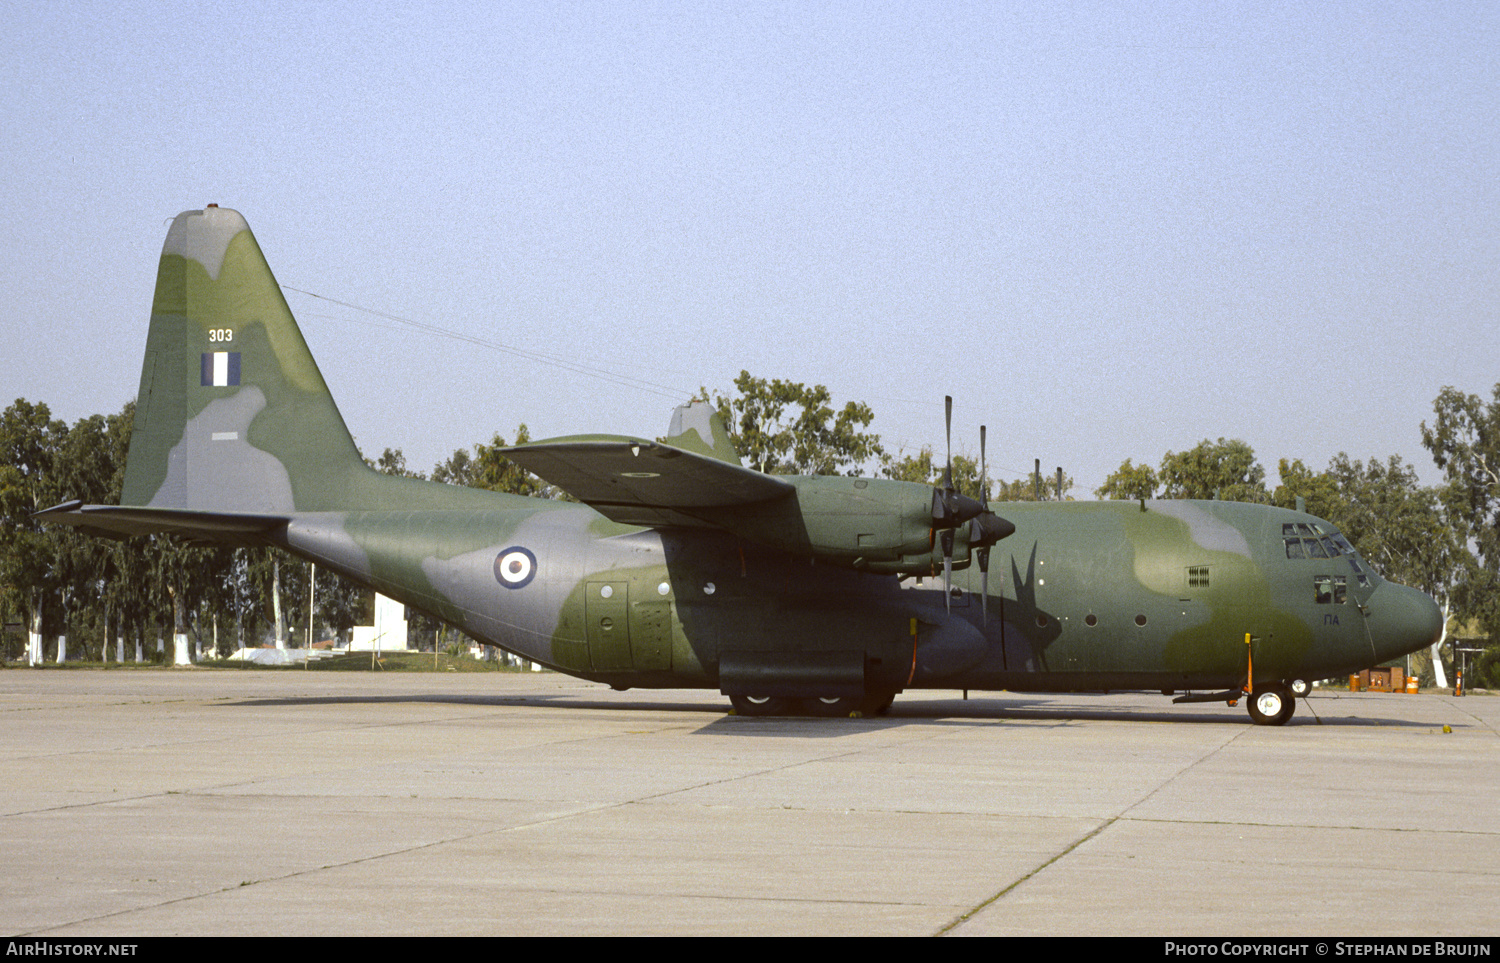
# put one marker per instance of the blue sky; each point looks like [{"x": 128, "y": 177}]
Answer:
[{"x": 1108, "y": 230}]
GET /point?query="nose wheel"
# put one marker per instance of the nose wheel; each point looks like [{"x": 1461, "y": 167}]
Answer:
[{"x": 1271, "y": 706}]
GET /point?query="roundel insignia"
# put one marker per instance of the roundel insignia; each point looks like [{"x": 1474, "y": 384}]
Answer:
[{"x": 515, "y": 567}]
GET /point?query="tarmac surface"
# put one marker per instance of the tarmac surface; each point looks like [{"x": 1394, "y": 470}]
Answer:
[{"x": 280, "y": 802}]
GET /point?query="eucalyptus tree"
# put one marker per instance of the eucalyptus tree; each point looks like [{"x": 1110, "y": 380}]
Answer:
[
  {"x": 786, "y": 428},
  {"x": 30, "y": 564},
  {"x": 1465, "y": 443}
]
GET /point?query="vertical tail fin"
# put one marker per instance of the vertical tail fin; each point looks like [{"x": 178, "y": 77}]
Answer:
[
  {"x": 232, "y": 413},
  {"x": 697, "y": 427}
]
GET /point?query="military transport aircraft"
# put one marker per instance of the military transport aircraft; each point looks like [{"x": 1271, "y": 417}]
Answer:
[{"x": 682, "y": 568}]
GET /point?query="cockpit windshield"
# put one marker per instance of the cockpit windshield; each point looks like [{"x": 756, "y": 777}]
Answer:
[{"x": 1305, "y": 540}]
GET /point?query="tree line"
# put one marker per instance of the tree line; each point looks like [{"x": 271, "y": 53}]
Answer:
[
  {"x": 64, "y": 594},
  {"x": 80, "y": 593}
]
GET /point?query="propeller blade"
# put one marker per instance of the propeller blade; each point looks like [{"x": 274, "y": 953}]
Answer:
[
  {"x": 948, "y": 569},
  {"x": 984, "y": 584},
  {"x": 984, "y": 475},
  {"x": 948, "y": 433}
]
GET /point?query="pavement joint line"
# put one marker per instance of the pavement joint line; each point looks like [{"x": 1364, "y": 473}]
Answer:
[
  {"x": 1189, "y": 767},
  {"x": 1319, "y": 827},
  {"x": 533, "y": 824},
  {"x": 1123, "y": 814},
  {"x": 725, "y": 897},
  {"x": 737, "y": 777},
  {"x": 461, "y": 837},
  {"x": 964, "y": 918},
  {"x": 104, "y": 705},
  {"x": 1479, "y": 723}
]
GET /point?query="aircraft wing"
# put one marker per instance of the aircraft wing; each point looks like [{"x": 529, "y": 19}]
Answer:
[
  {"x": 641, "y": 482},
  {"x": 116, "y": 522}
]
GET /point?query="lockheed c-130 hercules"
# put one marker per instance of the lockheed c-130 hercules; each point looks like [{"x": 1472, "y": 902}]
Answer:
[{"x": 682, "y": 568}]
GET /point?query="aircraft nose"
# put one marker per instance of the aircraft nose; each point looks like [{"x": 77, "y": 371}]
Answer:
[{"x": 1402, "y": 620}]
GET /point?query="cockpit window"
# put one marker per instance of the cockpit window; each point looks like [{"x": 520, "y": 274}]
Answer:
[
  {"x": 1329, "y": 588},
  {"x": 1305, "y": 540}
]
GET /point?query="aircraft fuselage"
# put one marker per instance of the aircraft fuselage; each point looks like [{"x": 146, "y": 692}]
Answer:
[{"x": 1083, "y": 596}]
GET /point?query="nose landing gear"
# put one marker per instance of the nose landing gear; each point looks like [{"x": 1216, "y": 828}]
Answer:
[{"x": 1272, "y": 705}]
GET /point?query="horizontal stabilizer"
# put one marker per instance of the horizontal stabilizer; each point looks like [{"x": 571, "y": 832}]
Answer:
[
  {"x": 127, "y": 522},
  {"x": 640, "y": 482}
]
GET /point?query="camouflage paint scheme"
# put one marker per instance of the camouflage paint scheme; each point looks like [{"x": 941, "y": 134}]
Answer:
[{"x": 684, "y": 569}]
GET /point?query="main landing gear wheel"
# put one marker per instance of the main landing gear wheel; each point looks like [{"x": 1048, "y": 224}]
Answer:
[
  {"x": 1299, "y": 688},
  {"x": 834, "y": 707},
  {"x": 1271, "y": 707},
  {"x": 878, "y": 703},
  {"x": 759, "y": 705}
]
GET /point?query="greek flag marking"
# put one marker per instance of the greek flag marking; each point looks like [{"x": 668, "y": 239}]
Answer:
[{"x": 221, "y": 369}]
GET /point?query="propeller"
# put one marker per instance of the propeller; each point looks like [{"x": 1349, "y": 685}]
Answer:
[
  {"x": 985, "y": 530},
  {"x": 951, "y": 509}
]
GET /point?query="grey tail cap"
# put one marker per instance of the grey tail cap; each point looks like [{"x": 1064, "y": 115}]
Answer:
[{"x": 697, "y": 427}]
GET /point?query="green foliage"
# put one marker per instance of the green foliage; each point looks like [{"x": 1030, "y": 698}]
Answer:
[
  {"x": 1465, "y": 442},
  {"x": 1225, "y": 469},
  {"x": 1033, "y": 489},
  {"x": 392, "y": 461},
  {"x": 1318, "y": 490},
  {"x": 1129, "y": 481},
  {"x": 488, "y": 469},
  {"x": 786, "y": 428},
  {"x": 924, "y": 469},
  {"x": 31, "y": 564},
  {"x": 1397, "y": 524},
  {"x": 917, "y": 468},
  {"x": 1484, "y": 669}
]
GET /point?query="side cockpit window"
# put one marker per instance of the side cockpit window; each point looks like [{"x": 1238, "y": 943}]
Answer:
[{"x": 1329, "y": 589}]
